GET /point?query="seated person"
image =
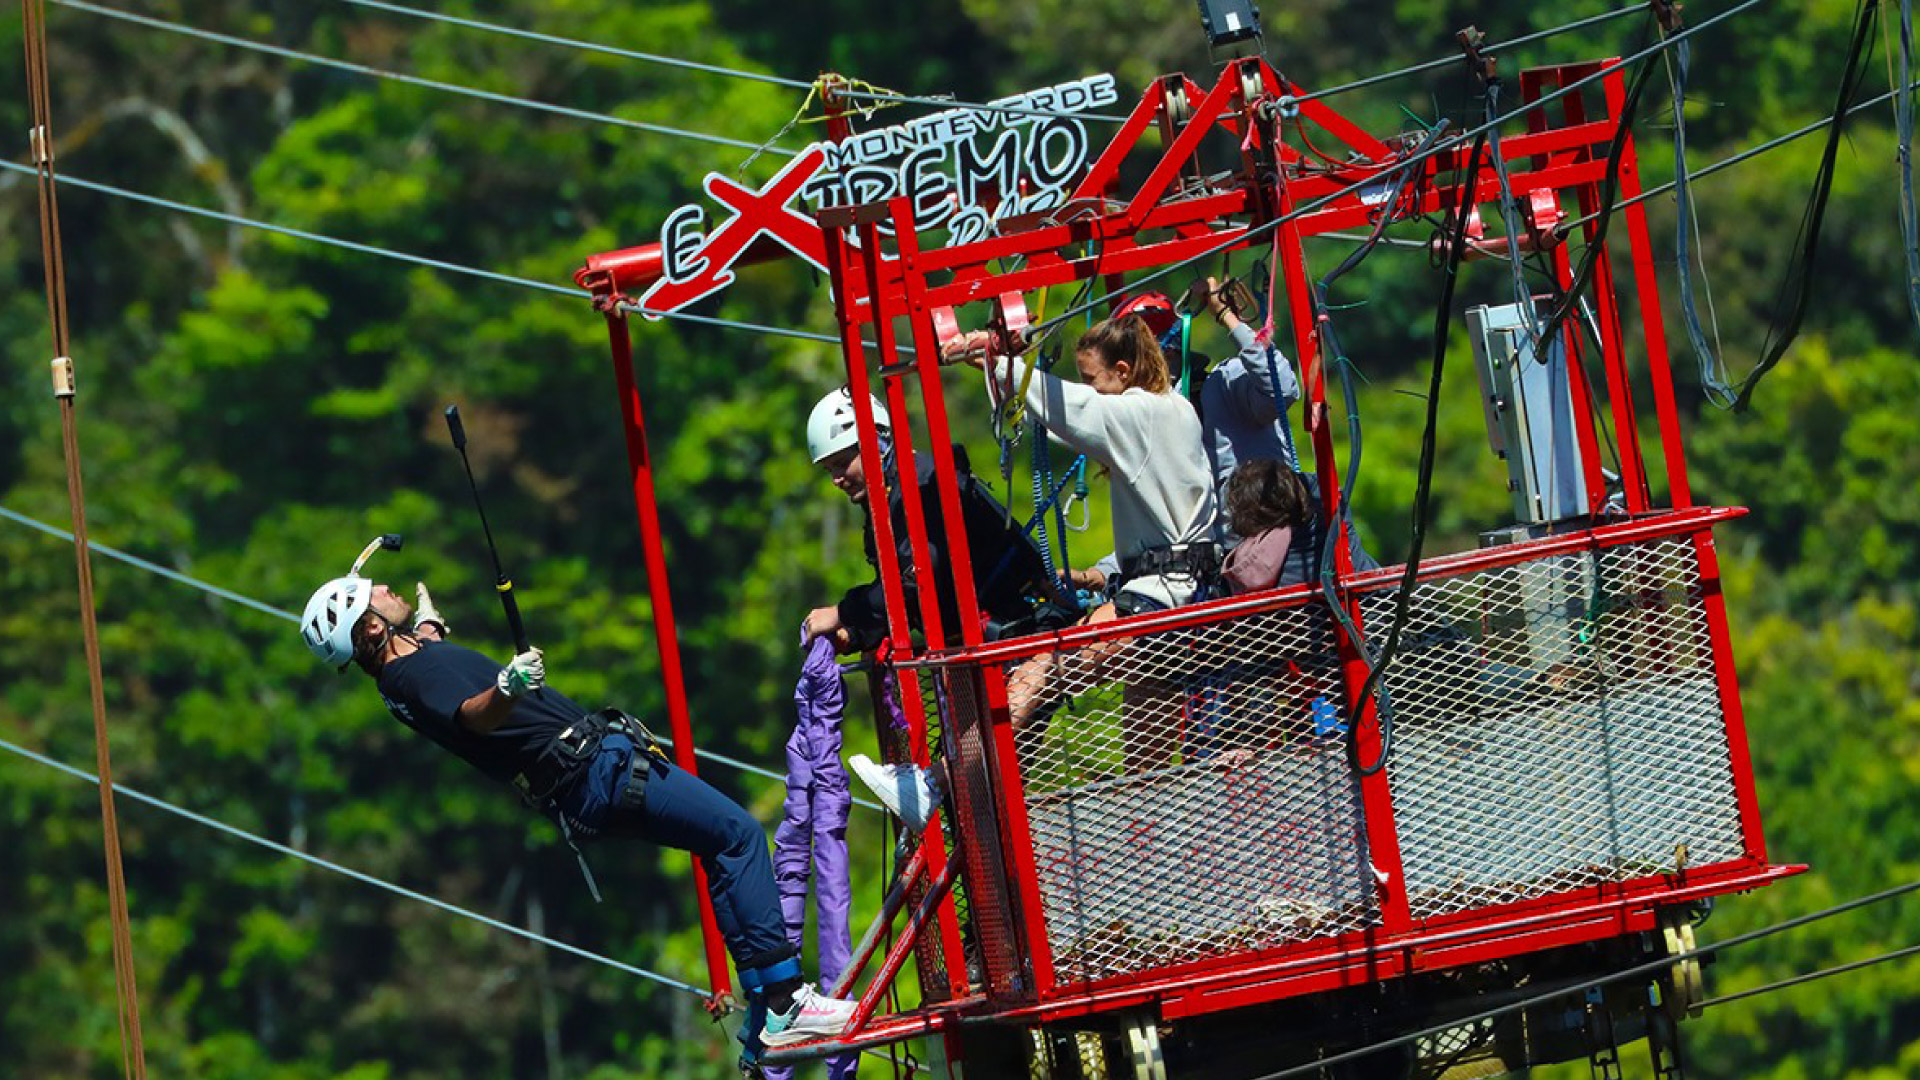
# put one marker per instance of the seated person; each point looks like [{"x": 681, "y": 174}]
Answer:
[
  {"x": 1008, "y": 572},
  {"x": 1270, "y": 509}
]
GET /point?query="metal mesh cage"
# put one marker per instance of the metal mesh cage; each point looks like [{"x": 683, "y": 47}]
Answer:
[
  {"x": 1557, "y": 724},
  {"x": 1189, "y": 796},
  {"x": 996, "y": 944}
]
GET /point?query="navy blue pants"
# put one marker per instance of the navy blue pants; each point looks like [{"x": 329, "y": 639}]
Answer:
[{"x": 683, "y": 812}]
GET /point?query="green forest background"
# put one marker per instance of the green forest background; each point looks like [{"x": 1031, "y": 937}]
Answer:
[{"x": 253, "y": 407}]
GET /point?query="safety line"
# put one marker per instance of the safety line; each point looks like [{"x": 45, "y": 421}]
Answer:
[
  {"x": 1454, "y": 60},
  {"x": 1563, "y": 992},
  {"x": 1398, "y": 166},
  {"x": 1811, "y": 976},
  {"x": 417, "y": 260},
  {"x": 716, "y": 69},
  {"x": 360, "y": 876},
  {"x": 41, "y": 142},
  {"x": 415, "y": 80},
  {"x": 279, "y": 613}
]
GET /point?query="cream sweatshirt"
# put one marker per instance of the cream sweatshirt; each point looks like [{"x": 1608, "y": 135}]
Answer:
[{"x": 1150, "y": 443}]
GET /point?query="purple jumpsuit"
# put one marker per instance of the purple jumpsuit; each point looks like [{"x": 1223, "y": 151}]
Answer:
[{"x": 815, "y": 827}]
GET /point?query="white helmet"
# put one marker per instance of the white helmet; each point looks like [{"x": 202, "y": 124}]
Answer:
[
  {"x": 327, "y": 624},
  {"x": 831, "y": 427}
]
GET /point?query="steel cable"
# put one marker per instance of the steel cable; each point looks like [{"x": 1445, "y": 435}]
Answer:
[
  {"x": 280, "y": 613},
  {"x": 413, "y": 80}
]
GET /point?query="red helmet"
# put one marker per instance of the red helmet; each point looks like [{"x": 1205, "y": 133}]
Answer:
[{"x": 1153, "y": 308}]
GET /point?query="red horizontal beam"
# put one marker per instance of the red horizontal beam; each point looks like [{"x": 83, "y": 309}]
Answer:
[{"x": 1659, "y": 526}]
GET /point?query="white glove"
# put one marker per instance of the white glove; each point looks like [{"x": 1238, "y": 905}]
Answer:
[
  {"x": 528, "y": 671},
  {"x": 425, "y": 612}
]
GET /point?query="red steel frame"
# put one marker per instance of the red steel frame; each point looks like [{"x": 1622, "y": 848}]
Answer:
[{"x": 1556, "y": 157}]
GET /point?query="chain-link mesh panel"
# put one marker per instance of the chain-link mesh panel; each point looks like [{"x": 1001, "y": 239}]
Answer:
[
  {"x": 1188, "y": 795},
  {"x": 1556, "y": 724},
  {"x": 995, "y": 943},
  {"x": 929, "y": 958}
]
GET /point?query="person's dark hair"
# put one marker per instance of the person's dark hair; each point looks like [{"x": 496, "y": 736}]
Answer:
[
  {"x": 1263, "y": 494},
  {"x": 370, "y": 634},
  {"x": 1128, "y": 339}
]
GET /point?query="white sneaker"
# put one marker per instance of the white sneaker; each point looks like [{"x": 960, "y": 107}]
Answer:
[
  {"x": 813, "y": 1016},
  {"x": 903, "y": 789}
]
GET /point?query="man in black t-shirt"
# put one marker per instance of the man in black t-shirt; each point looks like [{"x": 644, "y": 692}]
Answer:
[
  {"x": 597, "y": 773},
  {"x": 1008, "y": 571}
]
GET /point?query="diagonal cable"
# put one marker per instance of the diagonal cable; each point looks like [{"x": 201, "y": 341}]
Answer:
[
  {"x": 414, "y": 80},
  {"x": 280, "y": 613},
  {"x": 417, "y": 260}
]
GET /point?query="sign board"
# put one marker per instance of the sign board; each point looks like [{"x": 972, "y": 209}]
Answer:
[{"x": 964, "y": 169}]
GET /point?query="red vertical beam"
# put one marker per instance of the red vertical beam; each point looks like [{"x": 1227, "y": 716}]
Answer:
[
  {"x": 666, "y": 638},
  {"x": 1729, "y": 683},
  {"x": 886, "y": 548},
  {"x": 1383, "y": 841},
  {"x": 1613, "y": 351},
  {"x": 1016, "y": 836},
  {"x": 1651, "y": 318},
  {"x": 939, "y": 434}
]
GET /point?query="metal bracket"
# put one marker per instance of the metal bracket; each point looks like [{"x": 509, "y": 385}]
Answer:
[
  {"x": 62, "y": 377},
  {"x": 1483, "y": 67},
  {"x": 39, "y": 146},
  {"x": 1143, "y": 1046}
]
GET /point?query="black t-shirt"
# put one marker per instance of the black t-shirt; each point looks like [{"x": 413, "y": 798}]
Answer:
[
  {"x": 425, "y": 689},
  {"x": 1007, "y": 566}
]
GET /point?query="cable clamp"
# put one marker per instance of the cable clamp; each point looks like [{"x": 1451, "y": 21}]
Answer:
[
  {"x": 39, "y": 146},
  {"x": 1484, "y": 68},
  {"x": 1668, "y": 14},
  {"x": 62, "y": 377}
]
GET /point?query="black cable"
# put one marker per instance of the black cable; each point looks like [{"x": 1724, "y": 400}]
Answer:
[
  {"x": 1423, "y": 487},
  {"x": 1903, "y": 124},
  {"x": 1790, "y": 308},
  {"x": 1838, "y": 969},
  {"x": 1561, "y": 993},
  {"x": 1510, "y": 213},
  {"x": 1332, "y": 531}
]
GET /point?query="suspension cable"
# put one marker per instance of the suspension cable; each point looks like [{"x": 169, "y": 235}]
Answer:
[
  {"x": 413, "y": 80},
  {"x": 417, "y": 260},
  {"x": 280, "y": 613},
  {"x": 1451, "y": 61},
  {"x": 133, "y": 1054},
  {"x": 1563, "y": 992},
  {"x": 357, "y": 875},
  {"x": 883, "y": 96},
  {"x": 1735, "y": 159}
]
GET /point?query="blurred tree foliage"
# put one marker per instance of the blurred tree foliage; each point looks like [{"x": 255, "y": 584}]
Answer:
[{"x": 255, "y": 405}]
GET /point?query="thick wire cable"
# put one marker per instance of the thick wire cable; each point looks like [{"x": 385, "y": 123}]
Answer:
[
  {"x": 280, "y": 613},
  {"x": 1735, "y": 159},
  {"x": 417, "y": 260},
  {"x": 1811, "y": 976},
  {"x": 412, "y": 80},
  {"x": 716, "y": 69},
  {"x": 357, "y": 875},
  {"x": 1452, "y": 61},
  {"x": 1409, "y": 162},
  {"x": 1561, "y": 993}
]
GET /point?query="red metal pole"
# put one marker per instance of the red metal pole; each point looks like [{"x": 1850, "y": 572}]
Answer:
[{"x": 665, "y": 637}]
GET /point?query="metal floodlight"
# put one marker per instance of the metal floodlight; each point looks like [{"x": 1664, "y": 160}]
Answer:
[{"x": 1228, "y": 21}]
